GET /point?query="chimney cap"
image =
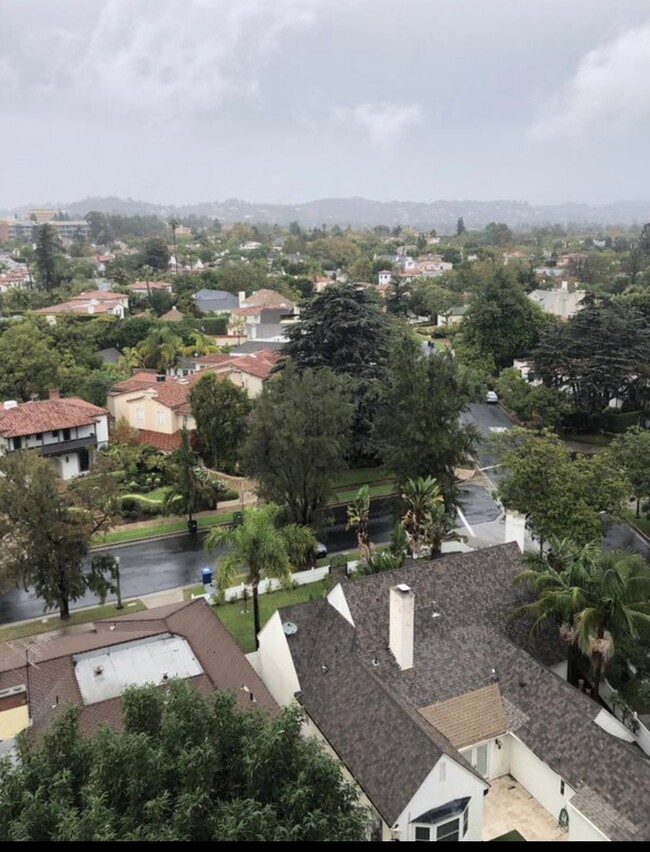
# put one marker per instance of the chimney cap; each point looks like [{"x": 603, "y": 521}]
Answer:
[{"x": 403, "y": 587}]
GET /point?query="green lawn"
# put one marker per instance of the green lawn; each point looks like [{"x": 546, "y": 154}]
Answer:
[
  {"x": 513, "y": 835},
  {"x": 155, "y": 496},
  {"x": 53, "y": 622},
  {"x": 239, "y": 621},
  {"x": 348, "y": 496},
  {"x": 361, "y": 476},
  {"x": 159, "y": 528}
]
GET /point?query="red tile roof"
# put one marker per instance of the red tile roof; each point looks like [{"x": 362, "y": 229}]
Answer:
[
  {"x": 257, "y": 364},
  {"x": 172, "y": 393},
  {"x": 268, "y": 298},
  {"x": 160, "y": 440},
  {"x": 48, "y": 415}
]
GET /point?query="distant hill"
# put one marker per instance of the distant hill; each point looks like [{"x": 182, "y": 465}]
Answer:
[{"x": 362, "y": 212}]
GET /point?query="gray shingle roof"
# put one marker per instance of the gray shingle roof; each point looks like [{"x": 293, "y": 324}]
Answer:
[
  {"x": 364, "y": 704},
  {"x": 215, "y": 300}
]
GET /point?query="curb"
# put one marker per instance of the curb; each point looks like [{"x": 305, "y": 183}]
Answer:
[
  {"x": 160, "y": 537},
  {"x": 638, "y": 531}
]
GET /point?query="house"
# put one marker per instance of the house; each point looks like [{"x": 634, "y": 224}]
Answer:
[
  {"x": 384, "y": 276},
  {"x": 215, "y": 301},
  {"x": 443, "y": 710},
  {"x": 93, "y": 668},
  {"x": 249, "y": 371},
  {"x": 17, "y": 277},
  {"x": 563, "y": 301},
  {"x": 144, "y": 288},
  {"x": 265, "y": 299},
  {"x": 452, "y": 316},
  {"x": 91, "y": 303},
  {"x": 66, "y": 430},
  {"x": 156, "y": 405},
  {"x": 264, "y": 322}
]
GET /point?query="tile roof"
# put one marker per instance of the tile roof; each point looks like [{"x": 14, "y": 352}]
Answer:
[
  {"x": 160, "y": 440},
  {"x": 172, "y": 393},
  {"x": 268, "y": 298},
  {"x": 144, "y": 286},
  {"x": 52, "y": 681},
  {"x": 48, "y": 415},
  {"x": 463, "y": 659}
]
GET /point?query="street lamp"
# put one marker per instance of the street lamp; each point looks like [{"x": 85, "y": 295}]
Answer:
[{"x": 119, "y": 604}]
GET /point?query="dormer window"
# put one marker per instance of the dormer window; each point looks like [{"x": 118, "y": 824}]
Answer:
[{"x": 449, "y": 822}]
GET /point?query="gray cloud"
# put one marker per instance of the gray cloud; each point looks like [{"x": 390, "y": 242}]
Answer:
[{"x": 288, "y": 100}]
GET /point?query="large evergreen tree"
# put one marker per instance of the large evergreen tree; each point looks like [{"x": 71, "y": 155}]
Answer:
[
  {"x": 501, "y": 321},
  {"x": 418, "y": 428},
  {"x": 186, "y": 767},
  {"x": 299, "y": 435},
  {"x": 221, "y": 412},
  {"x": 48, "y": 257},
  {"x": 343, "y": 328}
]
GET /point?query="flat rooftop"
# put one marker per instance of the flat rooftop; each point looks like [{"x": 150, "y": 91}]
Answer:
[{"x": 105, "y": 673}]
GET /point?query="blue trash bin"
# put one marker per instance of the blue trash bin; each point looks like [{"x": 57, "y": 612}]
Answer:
[{"x": 206, "y": 576}]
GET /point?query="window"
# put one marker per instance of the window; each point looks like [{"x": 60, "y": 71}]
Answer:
[
  {"x": 55, "y": 433},
  {"x": 139, "y": 415},
  {"x": 478, "y": 757},
  {"x": 561, "y": 787},
  {"x": 66, "y": 434},
  {"x": 39, "y": 436},
  {"x": 17, "y": 443},
  {"x": 443, "y": 823},
  {"x": 448, "y": 830},
  {"x": 160, "y": 418}
]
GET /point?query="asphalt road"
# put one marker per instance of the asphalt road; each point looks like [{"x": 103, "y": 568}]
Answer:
[{"x": 489, "y": 419}]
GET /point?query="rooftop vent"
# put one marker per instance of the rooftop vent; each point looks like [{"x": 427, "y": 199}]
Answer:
[
  {"x": 290, "y": 628},
  {"x": 403, "y": 587},
  {"x": 98, "y": 670},
  {"x": 10, "y": 403}
]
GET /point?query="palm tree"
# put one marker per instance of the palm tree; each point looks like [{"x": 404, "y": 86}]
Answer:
[
  {"x": 160, "y": 348},
  {"x": 130, "y": 359},
  {"x": 358, "y": 516},
  {"x": 173, "y": 224},
  {"x": 255, "y": 548},
  {"x": 426, "y": 520},
  {"x": 201, "y": 344},
  {"x": 595, "y": 598}
]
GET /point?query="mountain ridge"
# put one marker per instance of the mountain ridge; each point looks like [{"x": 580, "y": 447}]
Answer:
[{"x": 357, "y": 211}]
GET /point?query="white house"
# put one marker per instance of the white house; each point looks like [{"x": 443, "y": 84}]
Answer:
[
  {"x": 65, "y": 430},
  {"x": 447, "y": 714}
]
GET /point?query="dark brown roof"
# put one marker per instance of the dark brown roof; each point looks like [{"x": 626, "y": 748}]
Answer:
[
  {"x": 52, "y": 680},
  {"x": 470, "y": 647}
]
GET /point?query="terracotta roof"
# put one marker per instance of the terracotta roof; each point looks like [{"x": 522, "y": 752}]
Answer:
[
  {"x": 160, "y": 440},
  {"x": 268, "y": 298},
  {"x": 257, "y": 364},
  {"x": 52, "y": 681},
  {"x": 48, "y": 415},
  {"x": 172, "y": 393},
  {"x": 173, "y": 315}
]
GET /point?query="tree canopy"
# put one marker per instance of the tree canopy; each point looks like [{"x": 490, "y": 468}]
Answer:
[
  {"x": 221, "y": 412},
  {"x": 344, "y": 329},
  {"x": 299, "y": 435},
  {"x": 186, "y": 767}
]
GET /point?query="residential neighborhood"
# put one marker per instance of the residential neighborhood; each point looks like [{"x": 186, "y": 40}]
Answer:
[{"x": 324, "y": 422}]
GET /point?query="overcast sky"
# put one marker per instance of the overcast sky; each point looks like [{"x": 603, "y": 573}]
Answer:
[{"x": 181, "y": 101}]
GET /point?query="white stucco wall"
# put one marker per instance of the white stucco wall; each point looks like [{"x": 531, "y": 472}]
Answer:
[
  {"x": 274, "y": 663},
  {"x": 446, "y": 781},
  {"x": 101, "y": 430},
  {"x": 538, "y": 778},
  {"x": 67, "y": 466},
  {"x": 580, "y": 828}
]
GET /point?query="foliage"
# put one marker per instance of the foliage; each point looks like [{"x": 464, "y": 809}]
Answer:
[
  {"x": 595, "y": 596},
  {"x": 501, "y": 321},
  {"x": 28, "y": 363},
  {"x": 155, "y": 254},
  {"x": 49, "y": 258},
  {"x": 221, "y": 412},
  {"x": 358, "y": 514},
  {"x": 299, "y": 434},
  {"x": 599, "y": 354},
  {"x": 535, "y": 405},
  {"x": 559, "y": 497},
  {"x": 187, "y": 767},
  {"x": 344, "y": 329},
  {"x": 255, "y": 548},
  {"x": 192, "y": 488},
  {"x": 44, "y": 535},
  {"x": 300, "y": 543},
  {"x": 631, "y": 451},
  {"x": 418, "y": 428},
  {"x": 426, "y": 521}
]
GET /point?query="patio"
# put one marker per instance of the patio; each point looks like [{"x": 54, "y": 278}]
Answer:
[{"x": 509, "y": 807}]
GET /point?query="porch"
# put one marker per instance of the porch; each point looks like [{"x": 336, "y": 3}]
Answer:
[{"x": 509, "y": 807}]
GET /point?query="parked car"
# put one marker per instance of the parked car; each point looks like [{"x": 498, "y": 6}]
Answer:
[
  {"x": 320, "y": 550},
  {"x": 491, "y": 397}
]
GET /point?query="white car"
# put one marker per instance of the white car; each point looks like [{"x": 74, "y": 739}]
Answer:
[{"x": 491, "y": 397}]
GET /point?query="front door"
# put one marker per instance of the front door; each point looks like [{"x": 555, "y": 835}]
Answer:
[{"x": 478, "y": 757}]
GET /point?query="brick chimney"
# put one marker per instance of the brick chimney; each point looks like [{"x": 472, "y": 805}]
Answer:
[
  {"x": 401, "y": 625},
  {"x": 55, "y": 393}
]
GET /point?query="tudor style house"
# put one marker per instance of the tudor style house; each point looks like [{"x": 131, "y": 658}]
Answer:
[
  {"x": 65, "y": 430},
  {"x": 447, "y": 715}
]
